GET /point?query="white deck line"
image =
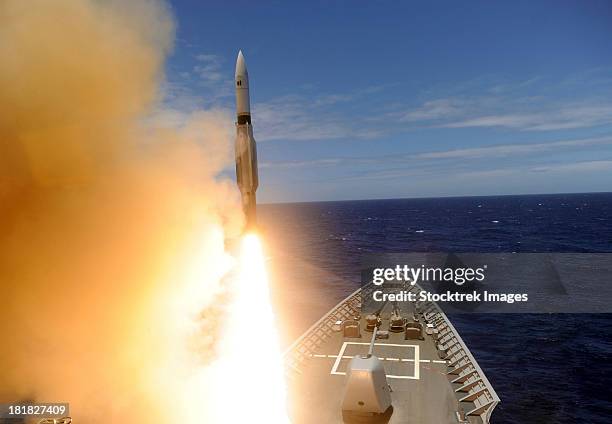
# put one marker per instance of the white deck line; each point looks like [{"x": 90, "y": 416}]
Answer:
[
  {"x": 338, "y": 359},
  {"x": 340, "y": 356},
  {"x": 423, "y": 361},
  {"x": 417, "y": 364}
]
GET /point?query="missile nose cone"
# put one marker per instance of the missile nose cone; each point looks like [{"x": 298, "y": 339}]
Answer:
[
  {"x": 241, "y": 64},
  {"x": 243, "y": 106}
]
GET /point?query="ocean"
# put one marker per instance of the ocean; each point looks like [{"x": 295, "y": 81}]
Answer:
[{"x": 546, "y": 368}]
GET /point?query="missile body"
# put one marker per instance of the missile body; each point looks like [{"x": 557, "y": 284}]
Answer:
[{"x": 246, "y": 149}]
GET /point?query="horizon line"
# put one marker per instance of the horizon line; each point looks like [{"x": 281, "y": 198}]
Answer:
[{"x": 432, "y": 197}]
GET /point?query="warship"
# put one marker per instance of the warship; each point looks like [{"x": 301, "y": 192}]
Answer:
[{"x": 403, "y": 362}]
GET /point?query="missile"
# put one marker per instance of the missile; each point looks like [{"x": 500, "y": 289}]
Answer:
[{"x": 246, "y": 149}]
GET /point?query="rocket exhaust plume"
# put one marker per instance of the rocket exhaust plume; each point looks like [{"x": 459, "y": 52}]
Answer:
[
  {"x": 248, "y": 377},
  {"x": 112, "y": 224}
]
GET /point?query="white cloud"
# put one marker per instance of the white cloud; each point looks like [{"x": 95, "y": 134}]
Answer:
[
  {"x": 332, "y": 99},
  {"x": 207, "y": 58},
  {"x": 565, "y": 117},
  {"x": 208, "y": 68},
  {"x": 583, "y": 166},
  {"x": 299, "y": 118},
  {"x": 513, "y": 149},
  {"x": 507, "y": 87},
  {"x": 300, "y": 163},
  {"x": 534, "y": 104},
  {"x": 432, "y": 159},
  {"x": 291, "y": 119},
  {"x": 204, "y": 83},
  {"x": 434, "y": 110}
]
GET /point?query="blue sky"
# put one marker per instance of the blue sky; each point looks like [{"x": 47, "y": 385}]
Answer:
[{"x": 381, "y": 99}]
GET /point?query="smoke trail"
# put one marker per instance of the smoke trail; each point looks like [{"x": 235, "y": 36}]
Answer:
[{"x": 111, "y": 227}]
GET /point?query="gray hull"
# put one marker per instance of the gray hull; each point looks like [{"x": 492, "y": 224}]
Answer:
[{"x": 433, "y": 380}]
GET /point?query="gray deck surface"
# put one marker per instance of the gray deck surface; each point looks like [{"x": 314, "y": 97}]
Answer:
[{"x": 421, "y": 391}]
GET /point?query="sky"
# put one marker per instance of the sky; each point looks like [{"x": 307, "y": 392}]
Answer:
[{"x": 382, "y": 99}]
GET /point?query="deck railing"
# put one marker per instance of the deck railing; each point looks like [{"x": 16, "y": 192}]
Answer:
[{"x": 475, "y": 394}]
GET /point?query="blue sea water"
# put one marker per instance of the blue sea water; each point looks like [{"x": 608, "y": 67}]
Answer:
[{"x": 546, "y": 368}]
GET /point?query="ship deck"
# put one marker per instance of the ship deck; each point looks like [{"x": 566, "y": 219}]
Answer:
[{"x": 434, "y": 380}]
